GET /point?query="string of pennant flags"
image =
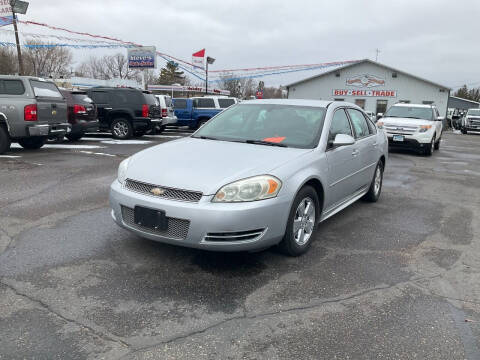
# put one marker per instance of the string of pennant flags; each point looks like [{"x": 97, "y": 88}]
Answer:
[{"x": 194, "y": 68}]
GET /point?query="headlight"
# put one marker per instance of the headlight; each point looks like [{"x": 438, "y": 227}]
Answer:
[
  {"x": 250, "y": 189},
  {"x": 425, "y": 128},
  {"x": 122, "y": 171}
]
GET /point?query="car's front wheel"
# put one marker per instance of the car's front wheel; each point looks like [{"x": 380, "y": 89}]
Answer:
[
  {"x": 302, "y": 222},
  {"x": 430, "y": 147}
]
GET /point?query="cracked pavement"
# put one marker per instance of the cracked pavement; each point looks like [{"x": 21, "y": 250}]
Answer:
[{"x": 397, "y": 279}]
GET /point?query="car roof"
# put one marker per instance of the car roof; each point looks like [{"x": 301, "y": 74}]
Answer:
[
  {"x": 415, "y": 105},
  {"x": 293, "y": 102}
]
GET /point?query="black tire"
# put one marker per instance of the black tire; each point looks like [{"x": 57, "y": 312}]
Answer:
[
  {"x": 4, "y": 140},
  {"x": 464, "y": 131},
  {"x": 290, "y": 245},
  {"x": 376, "y": 186},
  {"x": 121, "y": 129},
  {"x": 74, "y": 137},
  {"x": 32, "y": 143},
  {"x": 431, "y": 146},
  {"x": 437, "y": 144}
]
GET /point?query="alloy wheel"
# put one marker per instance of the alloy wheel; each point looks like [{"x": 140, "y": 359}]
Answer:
[
  {"x": 304, "y": 221},
  {"x": 120, "y": 129},
  {"x": 378, "y": 180}
]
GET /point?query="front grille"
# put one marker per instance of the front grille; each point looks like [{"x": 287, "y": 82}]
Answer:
[
  {"x": 168, "y": 193},
  {"x": 234, "y": 236},
  {"x": 176, "y": 228},
  {"x": 401, "y": 130}
]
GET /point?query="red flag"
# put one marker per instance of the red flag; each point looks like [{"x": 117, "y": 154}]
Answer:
[
  {"x": 200, "y": 53},
  {"x": 197, "y": 59}
]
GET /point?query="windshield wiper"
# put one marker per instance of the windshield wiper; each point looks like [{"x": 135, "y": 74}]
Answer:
[
  {"x": 263, "y": 142},
  {"x": 205, "y": 137}
]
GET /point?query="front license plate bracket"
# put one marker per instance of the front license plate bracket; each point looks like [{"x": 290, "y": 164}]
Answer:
[{"x": 151, "y": 218}]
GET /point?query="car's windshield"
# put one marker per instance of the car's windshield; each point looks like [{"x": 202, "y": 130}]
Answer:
[
  {"x": 413, "y": 112},
  {"x": 292, "y": 126},
  {"x": 473, "y": 112}
]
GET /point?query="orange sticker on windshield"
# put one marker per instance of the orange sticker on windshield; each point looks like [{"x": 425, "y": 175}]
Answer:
[{"x": 275, "y": 139}]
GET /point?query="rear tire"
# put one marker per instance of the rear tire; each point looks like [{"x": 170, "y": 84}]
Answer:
[
  {"x": 376, "y": 186},
  {"x": 32, "y": 143},
  {"x": 4, "y": 140},
  {"x": 302, "y": 222},
  {"x": 121, "y": 129}
]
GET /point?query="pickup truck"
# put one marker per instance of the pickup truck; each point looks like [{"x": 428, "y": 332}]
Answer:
[
  {"x": 194, "y": 112},
  {"x": 31, "y": 110}
]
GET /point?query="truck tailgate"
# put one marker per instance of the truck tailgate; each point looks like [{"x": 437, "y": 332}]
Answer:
[{"x": 51, "y": 111}]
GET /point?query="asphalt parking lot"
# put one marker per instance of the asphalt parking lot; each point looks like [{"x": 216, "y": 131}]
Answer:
[{"x": 398, "y": 279}]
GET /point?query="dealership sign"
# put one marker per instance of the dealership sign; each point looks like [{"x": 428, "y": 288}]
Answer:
[
  {"x": 6, "y": 15},
  {"x": 369, "y": 93},
  {"x": 142, "y": 57}
]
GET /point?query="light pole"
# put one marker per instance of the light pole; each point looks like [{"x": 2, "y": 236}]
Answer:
[
  {"x": 210, "y": 60},
  {"x": 20, "y": 7}
]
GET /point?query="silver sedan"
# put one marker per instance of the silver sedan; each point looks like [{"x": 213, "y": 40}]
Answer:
[{"x": 261, "y": 173}]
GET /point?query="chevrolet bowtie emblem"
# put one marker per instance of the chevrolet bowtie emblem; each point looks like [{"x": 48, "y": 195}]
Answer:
[{"x": 157, "y": 191}]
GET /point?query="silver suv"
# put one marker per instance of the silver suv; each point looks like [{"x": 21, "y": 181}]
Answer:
[{"x": 31, "y": 110}]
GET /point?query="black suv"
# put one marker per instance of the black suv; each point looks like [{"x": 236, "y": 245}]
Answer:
[{"x": 126, "y": 112}]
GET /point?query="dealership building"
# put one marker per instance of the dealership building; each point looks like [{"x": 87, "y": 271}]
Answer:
[{"x": 372, "y": 86}]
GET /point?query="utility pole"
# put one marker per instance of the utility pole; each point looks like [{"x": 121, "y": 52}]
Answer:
[
  {"x": 19, "y": 52},
  {"x": 210, "y": 60}
]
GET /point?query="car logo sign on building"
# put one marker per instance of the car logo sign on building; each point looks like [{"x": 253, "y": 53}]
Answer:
[{"x": 365, "y": 80}]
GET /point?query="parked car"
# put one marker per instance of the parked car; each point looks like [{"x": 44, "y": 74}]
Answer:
[
  {"x": 194, "y": 112},
  {"x": 223, "y": 102},
  {"x": 471, "y": 121},
  {"x": 167, "y": 111},
  {"x": 260, "y": 173},
  {"x": 413, "y": 126},
  {"x": 31, "y": 110},
  {"x": 124, "y": 111},
  {"x": 81, "y": 113}
]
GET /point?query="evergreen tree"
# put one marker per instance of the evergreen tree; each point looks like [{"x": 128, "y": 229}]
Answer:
[{"x": 170, "y": 74}]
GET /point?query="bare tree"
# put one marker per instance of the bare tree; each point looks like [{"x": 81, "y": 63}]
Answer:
[
  {"x": 8, "y": 61},
  {"x": 108, "y": 67},
  {"x": 46, "y": 60},
  {"x": 241, "y": 88}
]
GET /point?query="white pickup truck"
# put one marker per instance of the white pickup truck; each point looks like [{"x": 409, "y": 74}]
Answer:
[{"x": 414, "y": 126}]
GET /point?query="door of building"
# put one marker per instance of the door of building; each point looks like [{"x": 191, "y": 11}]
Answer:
[{"x": 381, "y": 106}]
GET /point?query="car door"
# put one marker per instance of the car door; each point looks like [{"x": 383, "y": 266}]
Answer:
[
  {"x": 367, "y": 144},
  {"x": 182, "y": 112},
  {"x": 343, "y": 162}
]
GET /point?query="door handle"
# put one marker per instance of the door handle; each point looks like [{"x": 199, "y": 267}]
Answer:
[
  {"x": 107, "y": 108},
  {"x": 355, "y": 152},
  {"x": 375, "y": 144}
]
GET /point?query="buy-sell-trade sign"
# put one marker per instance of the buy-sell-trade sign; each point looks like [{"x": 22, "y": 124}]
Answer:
[{"x": 142, "y": 57}]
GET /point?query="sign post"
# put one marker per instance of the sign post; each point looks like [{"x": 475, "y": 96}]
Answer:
[{"x": 20, "y": 7}]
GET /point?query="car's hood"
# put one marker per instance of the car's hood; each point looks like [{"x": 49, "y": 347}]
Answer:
[
  {"x": 405, "y": 121},
  {"x": 206, "y": 165}
]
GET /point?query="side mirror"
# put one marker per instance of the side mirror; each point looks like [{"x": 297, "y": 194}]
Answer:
[{"x": 343, "y": 140}]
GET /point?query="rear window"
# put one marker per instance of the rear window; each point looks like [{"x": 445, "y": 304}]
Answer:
[
  {"x": 224, "y": 103},
  {"x": 204, "y": 103},
  {"x": 11, "y": 87},
  {"x": 180, "y": 104},
  {"x": 81, "y": 97},
  {"x": 168, "y": 101},
  {"x": 150, "y": 99},
  {"x": 100, "y": 97},
  {"x": 44, "y": 88}
]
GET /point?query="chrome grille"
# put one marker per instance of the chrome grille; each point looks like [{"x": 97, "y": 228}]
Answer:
[
  {"x": 400, "y": 129},
  {"x": 234, "y": 236},
  {"x": 168, "y": 193},
  {"x": 176, "y": 228}
]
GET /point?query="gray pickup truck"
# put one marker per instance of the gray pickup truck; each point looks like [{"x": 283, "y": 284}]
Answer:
[{"x": 31, "y": 110}]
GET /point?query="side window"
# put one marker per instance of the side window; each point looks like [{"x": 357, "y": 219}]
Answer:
[
  {"x": 11, "y": 87},
  {"x": 340, "y": 125},
  {"x": 99, "y": 97},
  {"x": 371, "y": 126},
  {"x": 359, "y": 123},
  {"x": 205, "y": 103},
  {"x": 180, "y": 104}
]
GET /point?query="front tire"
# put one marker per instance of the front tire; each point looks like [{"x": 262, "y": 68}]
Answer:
[
  {"x": 430, "y": 147},
  {"x": 464, "y": 131},
  {"x": 437, "y": 144},
  {"x": 5, "y": 141},
  {"x": 121, "y": 129},
  {"x": 302, "y": 222},
  {"x": 32, "y": 143},
  {"x": 376, "y": 186}
]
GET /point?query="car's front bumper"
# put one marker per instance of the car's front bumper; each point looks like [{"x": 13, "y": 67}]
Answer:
[
  {"x": 418, "y": 141},
  {"x": 270, "y": 216}
]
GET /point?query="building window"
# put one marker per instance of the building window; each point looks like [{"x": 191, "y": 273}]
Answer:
[
  {"x": 427, "y": 102},
  {"x": 337, "y": 99},
  {"x": 360, "y": 102},
  {"x": 381, "y": 106}
]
